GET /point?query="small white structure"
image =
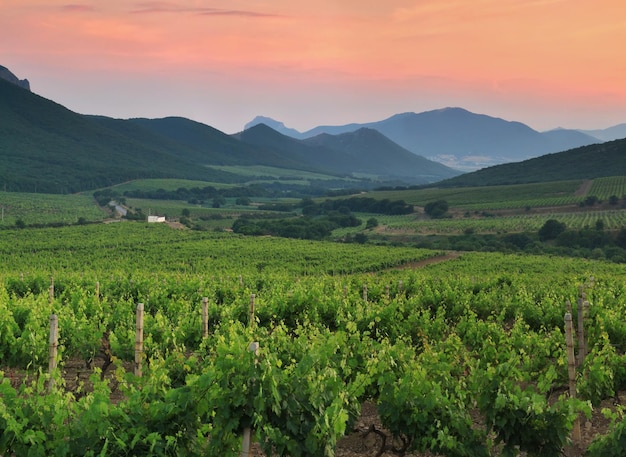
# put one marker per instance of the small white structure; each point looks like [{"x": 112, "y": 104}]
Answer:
[{"x": 154, "y": 219}]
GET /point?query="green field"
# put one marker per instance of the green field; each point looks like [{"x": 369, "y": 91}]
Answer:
[
  {"x": 492, "y": 197},
  {"x": 166, "y": 184},
  {"x": 477, "y": 223},
  {"x": 271, "y": 173},
  {"x": 466, "y": 356},
  {"x": 604, "y": 188},
  {"x": 47, "y": 208}
]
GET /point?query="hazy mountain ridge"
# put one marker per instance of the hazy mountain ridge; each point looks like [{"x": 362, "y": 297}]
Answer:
[
  {"x": 365, "y": 145},
  {"x": 462, "y": 139},
  {"x": 615, "y": 132},
  {"x": 45, "y": 147},
  {"x": 585, "y": 162},
  {"x": 360, "y": 152},
  {"x": 275, "y": 125}
]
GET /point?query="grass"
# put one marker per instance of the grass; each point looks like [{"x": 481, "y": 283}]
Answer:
[
  {"x": 491, "y": 197},
  {"x": 480, "y": 210},
  {"x": 147, "y": 185},
  {"x": 603, "y": 188},
  {"x": 174, "y": 208},
  {"x": 259, "y": 171},
  {"x": 47, "y": 208},
  {"x": 410, "y": 224}
]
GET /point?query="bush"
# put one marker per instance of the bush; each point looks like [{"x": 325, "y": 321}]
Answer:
[
  {"x": 436, "y": 209},
  {"x": 371, "y": 223},
  {"x": 551, "y": 229}
]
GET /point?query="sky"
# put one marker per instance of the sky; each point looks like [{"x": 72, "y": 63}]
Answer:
[{"x": 546, "y": 63}]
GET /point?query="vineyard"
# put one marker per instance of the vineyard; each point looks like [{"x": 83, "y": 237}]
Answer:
[
  {"x": 492, "y": 197},
  {"x": 611, "y": 219},
  {"x": 466, "y": 357},
  {"x": 604, "y": 188},
  {"x": 47, "y": 208},
  {"x": 480, "y": 210}
]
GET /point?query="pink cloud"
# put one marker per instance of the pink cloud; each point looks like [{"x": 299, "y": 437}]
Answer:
[
  {"x": 169, "y": 7},
  {"x": 76, "y": 8}
]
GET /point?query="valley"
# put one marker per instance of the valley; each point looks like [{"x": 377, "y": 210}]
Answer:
[{"x": 333, "y": 293}]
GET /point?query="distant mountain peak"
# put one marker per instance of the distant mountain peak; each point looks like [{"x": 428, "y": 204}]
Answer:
[
  {"x": 263, "y": 120},
  {"x": 7, "y": 75},
  {"x": 274, "y": 124},
  {"x": 453, "y": 109}
]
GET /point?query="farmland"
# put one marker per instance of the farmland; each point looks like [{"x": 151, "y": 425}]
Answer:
[
  {"x": 47, "y": 208},
  {"x": 487, "y": 210},
  {"x": 458, "y": 354},
  {"x": 467, "y": 356}
]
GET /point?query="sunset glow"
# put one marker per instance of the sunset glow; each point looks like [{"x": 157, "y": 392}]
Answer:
[{"x": 546, "y": 63}]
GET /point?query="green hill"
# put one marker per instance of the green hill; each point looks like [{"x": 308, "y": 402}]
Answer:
[
  {"x": 44, "y": 147},
  {"x": 587, "y": 162},
  {"x": 205, "y": 144}
]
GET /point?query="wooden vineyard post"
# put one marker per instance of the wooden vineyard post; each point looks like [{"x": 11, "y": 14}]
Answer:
[
  {"x": 240, "y": 281},
  {"x": 54, "y": 346},
  {"x": 51, "y": 290},
  {"x": 247, "y": 432},
  {"x": 585, "y": 324},
  {"x": 400, "y": 287},
  {"x": 365, "y": 292},
  {"x": 581, "y": 330},
  {"x": 139, "y": 340},
  {"x": 98, "y": 291},
  {"x": 387, "y": 291},
  {"x": 251, "y": 312},
  {"x": 571, "y": 370},
  {"x": 205, "y": 317},
  {"x": 345, "y": 291}
]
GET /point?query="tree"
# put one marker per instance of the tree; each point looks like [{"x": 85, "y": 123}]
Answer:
[
  {"x": 436, "y": 209},
  {"x": 599, "y": 225},
  {"x": 186, "y": 212},
  {"x": 218, "y": 201},
  {"x": 621, "y": 238},
  {"x": 360, "y": 238},
  {"x": 551, "y": 229},
  {"x": 242, "y": 201},
  {"x": 371, "y": 223},
  {"x": 613, "y": 200}
]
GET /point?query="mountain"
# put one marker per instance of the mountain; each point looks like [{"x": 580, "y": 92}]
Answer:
[
  {"x": 6, "y": 74},
  {"x": 197, "y": 142},
  {"x": 612, "y": 133},
  {"x": 375, "y": 153},
  {"x": 465, "y": 140},
  {"x": 364, "y": 151},
  {"x": 586, "y": 162},
  {"x": 275, "y": 125},
  {"x": 44, "y": 147}
]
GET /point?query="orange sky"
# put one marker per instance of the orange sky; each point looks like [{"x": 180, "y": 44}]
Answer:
[{"x": 546, "y": 63}]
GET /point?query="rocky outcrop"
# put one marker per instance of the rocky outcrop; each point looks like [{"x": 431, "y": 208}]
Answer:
[{"x": 6, "y": 74}]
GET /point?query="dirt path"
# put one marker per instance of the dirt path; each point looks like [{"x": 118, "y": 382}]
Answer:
[
  {"x": 584, "y": 188},
  {"x": 451, "y": 255}
]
